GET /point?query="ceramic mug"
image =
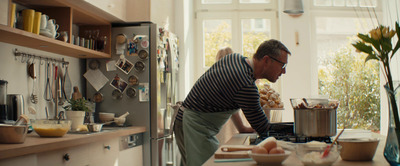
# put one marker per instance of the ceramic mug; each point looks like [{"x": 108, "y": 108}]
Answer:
[
  {"x": 56, "y": 35},
  {"x": 51, "y": 25},
  {"x": 28, "y": 16},
  {"x": 36, "y": 22},
  {"x": 43, "y": 21}
]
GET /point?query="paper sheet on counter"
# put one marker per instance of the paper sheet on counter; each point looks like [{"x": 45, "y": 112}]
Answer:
[{"x": 96, "y": 78}]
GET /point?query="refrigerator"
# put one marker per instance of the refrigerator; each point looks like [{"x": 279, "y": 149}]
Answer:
[{"x": 139, "y": 78}]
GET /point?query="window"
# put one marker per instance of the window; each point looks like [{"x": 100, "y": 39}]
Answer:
[
  {"x": 341, "y": 72},
  {"x": 239, "y": 24},
  {"x": 232, "y": 26}
]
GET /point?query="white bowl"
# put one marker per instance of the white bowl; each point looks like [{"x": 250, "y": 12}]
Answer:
[
  {"x": 270, "y": 159},
  {"x": 311, "y": 154},
  {"x": 358, "y": 149},
  {"x": 106, "y": 117}
]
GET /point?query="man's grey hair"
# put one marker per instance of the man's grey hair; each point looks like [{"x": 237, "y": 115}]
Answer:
[{"x": 271, "y": 48}]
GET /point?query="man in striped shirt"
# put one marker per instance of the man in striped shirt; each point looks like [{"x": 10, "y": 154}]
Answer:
[{"x": 229, "y": 85}]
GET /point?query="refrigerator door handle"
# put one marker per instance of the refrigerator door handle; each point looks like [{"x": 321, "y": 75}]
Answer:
[{"x": 175, "y": 109}]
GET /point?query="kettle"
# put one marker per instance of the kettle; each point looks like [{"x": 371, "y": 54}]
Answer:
[{"x": 16, "y": 107}]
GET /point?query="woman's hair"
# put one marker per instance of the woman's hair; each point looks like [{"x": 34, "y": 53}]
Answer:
[{"x": 222, "y": 52}]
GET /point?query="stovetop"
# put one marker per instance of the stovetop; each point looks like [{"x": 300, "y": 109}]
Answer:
[{"x": 285, "y": 131}]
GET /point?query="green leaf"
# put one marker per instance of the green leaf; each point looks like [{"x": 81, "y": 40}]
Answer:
[
  {"x": 372, "y": 41},
  {"x": 77, "y": 105},
  {"x": 398, "y": 40},
  {"x": 371, "y": 56},
  {"x": 365, "y": 38},
  {"x": 386, "y": 46},
  {"x": 363, "y": 47}
]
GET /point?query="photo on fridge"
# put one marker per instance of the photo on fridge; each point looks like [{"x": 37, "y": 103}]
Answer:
[
  {"x": 124, "y": 65},
  {"x": 119, "y": 83}
]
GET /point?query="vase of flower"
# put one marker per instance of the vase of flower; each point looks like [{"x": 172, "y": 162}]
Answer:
[
  {"x": 378, "y": 46},
  {"x": 392, "y": 148}
]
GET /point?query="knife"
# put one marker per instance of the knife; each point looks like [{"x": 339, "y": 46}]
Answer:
[
  {"x": 232, "y": 160},
  {"x": 234, "y": 149}
]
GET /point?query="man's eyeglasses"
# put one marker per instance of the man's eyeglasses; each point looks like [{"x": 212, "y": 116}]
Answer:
[{"x": 284, "y": 64}]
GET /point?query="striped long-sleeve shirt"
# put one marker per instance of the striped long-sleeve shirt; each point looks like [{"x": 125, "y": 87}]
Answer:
[{"x": 229, "y": 84}]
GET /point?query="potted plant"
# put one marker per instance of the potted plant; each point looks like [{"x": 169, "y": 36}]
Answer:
[{"x": 75, "y": 112}]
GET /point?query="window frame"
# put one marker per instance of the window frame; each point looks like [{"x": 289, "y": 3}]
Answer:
[
  {"x": 237, "y": 38},
  {"x": 236, "y": 5},
  {"x": 378, "y": 7}
]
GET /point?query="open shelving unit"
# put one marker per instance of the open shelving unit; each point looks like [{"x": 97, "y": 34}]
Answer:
[{"x": 67, "y": 14}]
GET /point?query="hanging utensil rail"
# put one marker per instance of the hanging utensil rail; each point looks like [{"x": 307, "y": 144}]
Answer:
[{"x": 25, "y": 57}]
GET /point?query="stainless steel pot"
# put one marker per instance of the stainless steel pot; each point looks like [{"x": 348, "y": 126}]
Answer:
[
  {"x": 315, "y": 117},
  {"x": 10, "y": 134},
  {"x": 94, "y": 127}
]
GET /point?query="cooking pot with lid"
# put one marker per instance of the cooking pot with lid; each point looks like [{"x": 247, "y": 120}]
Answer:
[{"x": 315, "y": 117}]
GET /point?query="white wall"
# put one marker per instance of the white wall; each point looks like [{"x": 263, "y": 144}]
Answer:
[
  {"x": 162, "y": 13},
  {"x": 296, "y": 83},
  {"x": 184, "y": 19},
  {"x": 19, "y": 82},
  {"x": 15, "y": 72}
]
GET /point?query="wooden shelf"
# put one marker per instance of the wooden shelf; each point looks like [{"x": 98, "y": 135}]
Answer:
[
  {"x": 31, "y": 40},
  {"x": 82, "y": 14}
]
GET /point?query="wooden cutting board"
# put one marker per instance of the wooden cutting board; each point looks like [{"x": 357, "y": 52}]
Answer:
[{"x": 219, "y": 154}]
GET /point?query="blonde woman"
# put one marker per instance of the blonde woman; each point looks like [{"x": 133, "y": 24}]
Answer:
[
  {"x": 222, "y": 52},
  {"x": 227, "y": 130}
]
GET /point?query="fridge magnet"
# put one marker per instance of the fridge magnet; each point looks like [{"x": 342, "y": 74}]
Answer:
[
  {"x": 94, "y": 64},
  {"x": 143, "y": 54},
  {"x": 143, "y": 92},
  {"x": 120, "y": 39},
  {"x": 132, "y": 48},
  {"x": 139, "y": 66},
  {"x": 119, "y": 83},
  {"x": 98, "y": 97},
  {"x": 96, "y": 78},
  {"x": 116, "y": 94},
  {"x": 120, "y": 43},
  {"x": 131, "y": 92},
  {"x": 144, "y": 43},
  {"x": 133, "y": 80},
  {"x": 139, "y": 37},
  {"x": 110, "y": 65},
  {"x": 124, "y": 65}
]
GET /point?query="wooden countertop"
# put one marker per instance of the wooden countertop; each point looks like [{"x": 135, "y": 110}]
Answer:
[
  {"x": 35, "y": 144},
  {"x": 292, "y": 160}
]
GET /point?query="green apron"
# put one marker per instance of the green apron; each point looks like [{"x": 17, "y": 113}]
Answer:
[{"x": 199, "y": 131}]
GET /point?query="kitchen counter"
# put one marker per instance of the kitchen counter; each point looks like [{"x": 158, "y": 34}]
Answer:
[
  {"x": 292, "y": 160},
  {"x": 35, "y": 144}
]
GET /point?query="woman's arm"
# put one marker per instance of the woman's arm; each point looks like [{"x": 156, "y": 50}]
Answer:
[{"x": 237, "y": 120}]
